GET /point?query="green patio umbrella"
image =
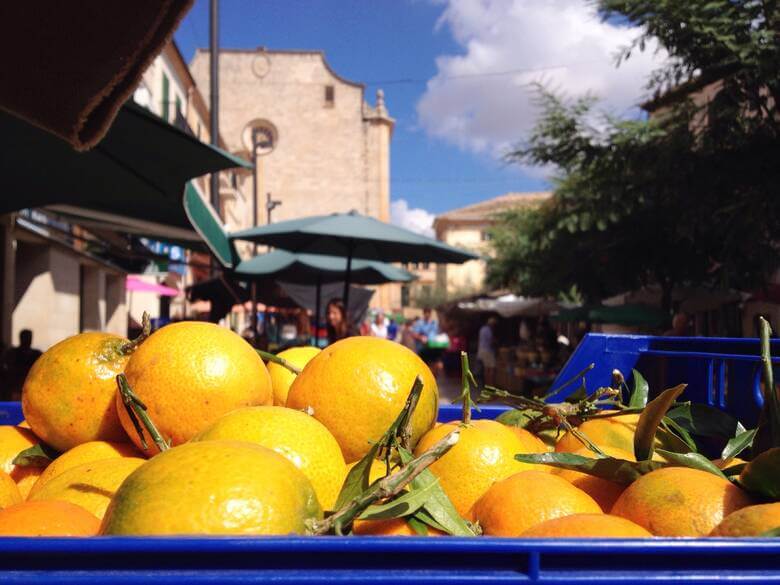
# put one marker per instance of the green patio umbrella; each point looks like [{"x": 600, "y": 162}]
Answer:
[
  {"x": 307, "y": 268},
  {"x": 320, "y": 269},
  {"x": 132, "y": 181},
  {"x": 353, "y": 235}
]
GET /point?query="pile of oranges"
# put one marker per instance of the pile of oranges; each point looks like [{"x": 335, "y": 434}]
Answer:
[{"x": 258, "y": 449}]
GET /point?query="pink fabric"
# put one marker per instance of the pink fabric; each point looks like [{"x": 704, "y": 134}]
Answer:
[{"x": 138, "y": 285}]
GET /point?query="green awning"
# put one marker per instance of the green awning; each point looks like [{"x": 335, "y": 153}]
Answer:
[
  {"x": 572, "y": 315},
  {"x": 132, "y": 181},
  {"x": 630, "y": 315}
]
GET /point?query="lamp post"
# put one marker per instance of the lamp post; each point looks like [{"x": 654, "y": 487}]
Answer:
[{"x": 262, "y": 144}]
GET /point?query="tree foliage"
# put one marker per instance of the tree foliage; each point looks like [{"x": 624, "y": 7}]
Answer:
[{"x": 689, "y": 196}]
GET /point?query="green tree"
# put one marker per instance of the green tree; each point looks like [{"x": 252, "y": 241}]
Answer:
[{"x": 686, "y": 197}]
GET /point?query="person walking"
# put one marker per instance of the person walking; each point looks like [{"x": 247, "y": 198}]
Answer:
[
  {"x": 486, "y": 351},
  {"x": 16, "y": 362},
  {"x": 425, "y": 330}
]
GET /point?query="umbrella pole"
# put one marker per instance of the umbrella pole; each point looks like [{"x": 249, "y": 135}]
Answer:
[
  {"x": 317, "y": 312},
  {"x": 253, "y": 320},
  {"x": 346, "y": 282}
]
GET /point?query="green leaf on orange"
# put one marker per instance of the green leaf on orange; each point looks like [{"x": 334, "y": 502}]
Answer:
[
  {"x": 438, "y": 505},
  {"x": 650, "y": 418},
  {"x": 737, "y": 444},
  {"x": 39, "y": 455},
  {"x": 640, "y": 392},
  {"x": 692, "y": 460},
  {"x": 617, "y": 470}
]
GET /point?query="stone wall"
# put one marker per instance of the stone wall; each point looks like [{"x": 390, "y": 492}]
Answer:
[{"x": 330, "y": 149}]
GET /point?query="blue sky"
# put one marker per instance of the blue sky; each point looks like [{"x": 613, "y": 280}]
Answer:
[{"x": 455, "y": 75}]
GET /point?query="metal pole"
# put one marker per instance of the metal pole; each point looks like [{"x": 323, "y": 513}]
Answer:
[
  {"x": 253, "y": 319},
  {"x": 214, "y": 93},
  {"x": 347, "y": 277},
  {"x": 317, "y": 312},
  {"x": 269, "y": 207}
]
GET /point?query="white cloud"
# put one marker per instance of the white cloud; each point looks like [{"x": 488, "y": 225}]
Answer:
[
  {"x": 412, "y": 218},
  {"x": 561, "y": 43}
]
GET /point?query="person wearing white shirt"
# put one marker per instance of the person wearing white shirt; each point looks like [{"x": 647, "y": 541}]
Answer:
[
  {"x": 379, "y": 326},
  {"x": 486, "y": 352}
]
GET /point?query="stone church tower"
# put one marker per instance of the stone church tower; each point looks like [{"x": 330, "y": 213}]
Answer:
[{"x": 321, "y": 148}]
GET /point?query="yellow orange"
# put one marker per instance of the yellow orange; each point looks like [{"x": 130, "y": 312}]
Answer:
[
  {"x": 214, "y": 487},
  {"x": 50, "y": 518},
  {"x": 68, "y": 397},
  {"x": 750, "y": 521},
  {"x": 616, "y": 431},
  {"x": 189, "y": 374},
  {"x": 679, "y": 501},
  {"x": 89, "y": 485},
  {"x": 484, "y": 454},
  {"x": 587, "y": 526},
  {"x": 84, "y": 453},
  {"x": 390, "y": 527},
  {"x": 281, "y": 377},
  {"x": 299, "y": 437},
  {"x": 9, "y": 492},
  {"x": 357, "y": 387},
  {"x": 604, "y": 491},
  {"x": 14, "y": 440},
  {"x": 523, "y": 500}
]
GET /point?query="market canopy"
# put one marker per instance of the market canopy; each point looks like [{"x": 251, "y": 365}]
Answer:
[
  {"x": 223, "y": 294},
  {"x": 637, "y": 315},
  {"x": 132, "y": 182},
  {"x": 311, "y": 268},
  {"x": 69, "y": 66},
  {"x": 135, "y": 284},
  {"x": 509, "y": 305}
]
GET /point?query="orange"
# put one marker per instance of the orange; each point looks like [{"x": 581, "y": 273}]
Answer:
[
  {"x": 14, "y": 440},
  {"x": 587, "y": 526},
  {"x": 680, "y": 501},
  {"x": 515, "y": 504},
  {"x": 9, "y": 492},
  {"x": 616, "y": 431},
  {"x": 357, "y": 387},
  {"x": 749, "y": 521},
  {"x": 484, "y": 454},
  {"x": 281, "y": 377},
  {"x": 299, "y": 437},
  {"x": 189, "y": 374},
  {"x": 390, "y": 527},
  {"x": 84, "y": 453},
  {"x": 531, "y": 442},
  {"x": 602, "y": 490},
  {"x": 68, "y": 397},
  {"x": 214, "y": 487},
  {"x": 47, "y": 519},
  {"x": 89, "y": 485}
]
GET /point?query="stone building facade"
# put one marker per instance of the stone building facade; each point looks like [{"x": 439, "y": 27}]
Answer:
[
  {"x": 469, "y": 227},
  {"x": 321, "y": 148}
]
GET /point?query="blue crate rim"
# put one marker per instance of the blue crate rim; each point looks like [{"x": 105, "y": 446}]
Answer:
[{"x": 390, "y": 544}]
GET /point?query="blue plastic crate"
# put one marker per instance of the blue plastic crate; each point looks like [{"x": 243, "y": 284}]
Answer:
[
  {"x": 710, "y": 366},
  {"x": 721, "y": 372}
]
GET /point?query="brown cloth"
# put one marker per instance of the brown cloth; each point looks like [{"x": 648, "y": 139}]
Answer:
[{"x": 68, "y": 66}]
